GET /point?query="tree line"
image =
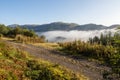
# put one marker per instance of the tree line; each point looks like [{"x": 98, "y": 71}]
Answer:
[{"x": 20, "y": 34}]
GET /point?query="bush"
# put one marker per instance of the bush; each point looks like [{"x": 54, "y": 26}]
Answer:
[
  {"x": 104, "y": 49},
  {"x": 26, "y": 39},
  {"x": 39, "y": 71},
  {"x": 1, "y": 36}
]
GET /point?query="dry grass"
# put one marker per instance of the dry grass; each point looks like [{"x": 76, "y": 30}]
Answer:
[
  {"x": 5, "y": 38},
  {"x": 47, "y": 45}
]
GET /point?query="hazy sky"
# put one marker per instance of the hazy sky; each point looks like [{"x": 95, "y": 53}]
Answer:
[{"x": 106, "y": 12}]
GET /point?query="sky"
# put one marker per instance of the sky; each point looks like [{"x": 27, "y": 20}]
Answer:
[{"x": 105, "y": 12}]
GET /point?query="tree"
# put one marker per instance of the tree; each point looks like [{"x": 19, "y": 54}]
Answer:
[
  {"x": 18, "y": 30},
  {"x": 3, "y": 29}
]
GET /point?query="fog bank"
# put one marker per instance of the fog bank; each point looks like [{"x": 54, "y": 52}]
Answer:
[{"x": 62, "y": 36}]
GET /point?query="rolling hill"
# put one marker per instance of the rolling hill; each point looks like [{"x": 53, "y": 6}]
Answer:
[{"x": 64, "y": 27}]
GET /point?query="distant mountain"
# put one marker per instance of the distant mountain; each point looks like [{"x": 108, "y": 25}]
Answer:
[
  {"x": 90, "y": 27},
  {"x": 13, "y": 25},
  {"x": 51, "y": 26},
  {"x": 114, "y": 26},
  {"x": 64, "y": 26}
]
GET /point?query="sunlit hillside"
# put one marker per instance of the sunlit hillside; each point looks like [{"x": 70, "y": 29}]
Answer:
[{"x": 59, "y": 39}]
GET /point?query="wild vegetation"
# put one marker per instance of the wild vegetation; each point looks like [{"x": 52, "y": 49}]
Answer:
[
  {"x": 105, "y": 49},
  {"x": 16, "y": 64},
  {"x": 20, "y": 34}
]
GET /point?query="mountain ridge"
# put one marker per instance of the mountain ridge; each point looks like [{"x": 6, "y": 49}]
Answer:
[{"x": 64, "y": 26}]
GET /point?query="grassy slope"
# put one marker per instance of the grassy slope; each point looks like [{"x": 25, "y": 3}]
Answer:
[{"x": 17, "y": 65}]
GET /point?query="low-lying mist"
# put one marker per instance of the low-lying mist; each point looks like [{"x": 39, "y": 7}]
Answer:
[{"x": 63, "y": 36}]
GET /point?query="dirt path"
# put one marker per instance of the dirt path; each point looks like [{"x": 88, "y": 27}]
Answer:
[{"x": 91, "y": 70}]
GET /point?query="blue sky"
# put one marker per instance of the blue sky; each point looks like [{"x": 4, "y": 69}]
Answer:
[{"x": 106, "y": 12}]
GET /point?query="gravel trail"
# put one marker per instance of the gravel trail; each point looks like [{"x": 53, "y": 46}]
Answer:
[{"x": 87, "y": 68}]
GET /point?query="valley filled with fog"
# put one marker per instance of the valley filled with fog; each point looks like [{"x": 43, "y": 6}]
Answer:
[{"x": 64, "y": 36}]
